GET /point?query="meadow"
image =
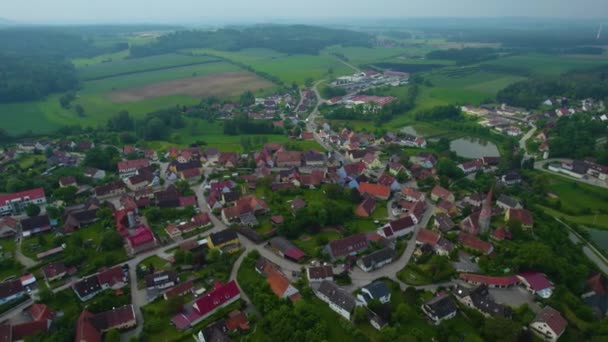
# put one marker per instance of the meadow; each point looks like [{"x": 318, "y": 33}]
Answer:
[{"x": 287, "y": 68}]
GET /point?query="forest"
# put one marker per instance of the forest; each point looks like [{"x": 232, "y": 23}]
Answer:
[
  {"x": 580, "y": 84},
  {"x": 34, "y": 62},
  {"x": 294, "y": 39},
  {"x": 466, "y": 55}
]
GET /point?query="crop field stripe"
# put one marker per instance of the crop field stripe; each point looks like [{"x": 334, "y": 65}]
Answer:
[{"x": 150, "y": 70}]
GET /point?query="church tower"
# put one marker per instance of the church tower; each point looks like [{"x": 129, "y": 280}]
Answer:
[{"x": 486, "y": 212}]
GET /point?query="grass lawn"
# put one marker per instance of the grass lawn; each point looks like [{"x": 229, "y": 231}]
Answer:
[
  {"x": 594, "y": 221},
  {"x": 578, "y": 197},
  {"x": 310, "y": 244},
  {"x": 28, "y": 160},
  {"x": 412, "y": 277},
  {"x": 157, "y": 262}
]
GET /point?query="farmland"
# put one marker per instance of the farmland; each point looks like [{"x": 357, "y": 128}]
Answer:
[
  {"x": 123, "y": 66},
  {"x": 549, "y": 64}
]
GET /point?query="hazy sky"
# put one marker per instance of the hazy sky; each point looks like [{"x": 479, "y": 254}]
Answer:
[{"x": 188, "y": 10}]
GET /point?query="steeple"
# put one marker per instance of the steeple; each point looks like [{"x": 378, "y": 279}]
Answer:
[{"x": 486, "y": 212}]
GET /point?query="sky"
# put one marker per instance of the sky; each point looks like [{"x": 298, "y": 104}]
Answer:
[{"x": 176, "y": 11}]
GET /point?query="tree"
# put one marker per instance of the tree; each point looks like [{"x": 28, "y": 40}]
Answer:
[
  {"x": 155, "y": 130},
  {"x": 121, "y": 122},
  {"x": 111, "y": 240},
  {"x": 79, "y": 110},
  {"x": 32, "y": 210},
  {"x": 360, "y": 315},
  {"x": 112, "y": 336},
  {"x": 247, "y": 98},
  {"x": 501, "y": 329}
]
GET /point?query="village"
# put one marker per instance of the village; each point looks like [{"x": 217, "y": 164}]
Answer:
[{"x": 355, "y": 223}]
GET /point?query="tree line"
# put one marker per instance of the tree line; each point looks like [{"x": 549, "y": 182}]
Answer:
[
  {"x": 292, "y": 39},
  {"x": 579, "y": 84}
]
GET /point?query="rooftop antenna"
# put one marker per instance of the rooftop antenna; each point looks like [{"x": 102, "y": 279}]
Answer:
[{"x": 599, "y": 32}]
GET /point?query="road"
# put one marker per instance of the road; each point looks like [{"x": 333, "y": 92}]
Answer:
[
  {"x": 25, "y": 261},
  {"x": 311, "y": 126},
  {"x": 540, "y": 165},
  {"x": 588, "y": 249},
  {"x": 524, "y": 140}
]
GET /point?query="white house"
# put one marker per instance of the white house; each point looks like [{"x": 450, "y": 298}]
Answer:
[
  {"x": 549, "y": 324},
  {"x": 339, "y": 300}
]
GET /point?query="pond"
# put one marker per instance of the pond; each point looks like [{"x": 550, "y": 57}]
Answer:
[
  {"x": 474, "y": 148},
  {"x": 599, "y": 237}
]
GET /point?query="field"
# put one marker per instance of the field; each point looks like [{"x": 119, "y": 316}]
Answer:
[
  {"x": 123, "y": 66},
  {"x": 288, "y": 68},
  {"x": 47, "y": 115},
  {"x": 220, "y": 85},
  {"x": 549, "y": 64},
  {"x": 361, "y": 55}
]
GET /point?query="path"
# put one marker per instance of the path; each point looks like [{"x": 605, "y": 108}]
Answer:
[
  {"x": 16, "y": 311},
  {"x": 348, "y": 65},
  {"x": 25, "y": 261}
]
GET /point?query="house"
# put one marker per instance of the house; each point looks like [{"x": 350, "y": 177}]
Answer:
[
  {"x": 390, "y": 181},
  {"x": 505, "y": 202},
  {"x": 64, "y": 182},
  {"x": 318, "y": 274},
  {"x": 221, "y": 296},
  {"x": 395, "y": 168},
  {"x": 366, "y": 208},
  {"x": 178, "y": 290},
  {"x": 398, "y": 228},
  {"x": 377, "y": 259},
  {"x": 226, "y": 240},
  {"x": 339, "y": 300},
  {"x": 314, "y": 158},
  {"x": 112, "y": 278},
  {"x": 95, "y": 173},
  {"x": 374, "y": 291},
  {"x": 279, "y": 284},
  {"x": 536, "y": 283},
  {"x": 378, "y": 191},
  {"x": 54, "y": 271},
  {"x": 10, "y": 291},
  {"x": 161, "y": 280},
  {"x": 480, "y": 299},
  {"x": 446, "y": 207},
  {"x": 474, "y": 243},
  {"x": 297, "y": 204},
  {"x": 288, "y": 159},
  {"x": 490, "y": 281},
  {"x": 520, "y": 215},
  {"x": 443, "y": 222},
  {"x": 141, "y": 239},
  {"x": 412, "y": 195},
  {"x": 424, "y": 160},
  {"x": 15, "y": 203},
  {"x": 237, "y": 320},
  {"x": 427, "y": 237},
  {"x": 91, "y": 327},
  {"x": 596, "y": 295},
  {"x": 440, "y": 192},
  {"x": 109, "y": 190},
  {"x": 501, "y": 234},
  {"x": 371, "y": 160},
  {"x": 440, "y": 308},
  {"x": 80, "y": 216},
  {"x": 128, "y": 168},
  {"x": 286, "y": 249},
  {"x": 347, "y": 246},
  {"x": 35, "y": 225},
  {"x": 8, "y": 227},
  {"x": 471, "y": 166},
  {"x": 87, "y": 288},
  {"x": 549, "y": 324}
]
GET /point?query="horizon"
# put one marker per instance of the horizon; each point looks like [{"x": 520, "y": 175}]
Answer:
[{"x": 188, "y": 11}]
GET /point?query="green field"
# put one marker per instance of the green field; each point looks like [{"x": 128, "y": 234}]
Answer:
[
  {"x": 362, "y": 55},
  {"x": 105, "y": 58},
  {"x": 129, "y": 66},
  {"x": 550, "y": 64},
  {"x": 288, "y": 68}
]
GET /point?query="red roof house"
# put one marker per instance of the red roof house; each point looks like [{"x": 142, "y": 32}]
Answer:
[
  {"x": 491, "y": 281},
  {"x": 376, "y": 190},
  {"x": 221, "y": 296},
  {"x": 475, "y": 243}
]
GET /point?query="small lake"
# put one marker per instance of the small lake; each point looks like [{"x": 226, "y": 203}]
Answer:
[{"x": 474, "y": 148}]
